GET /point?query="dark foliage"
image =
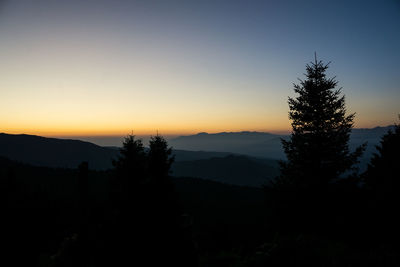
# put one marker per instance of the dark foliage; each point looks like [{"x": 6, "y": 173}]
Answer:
[
  {"x": 64, "y": 217},
  {"x": 383, "y": 170},
  {"x": 146, "y": 225},
  {"x": 317, "y": 152},
  {"x": 45, "y": 219},
  {"x": 382, "y": 185},
  {"x": 160, "y": 158},
  {"x": 130, "y": 173},
  {"x": 231, "y": 169}
]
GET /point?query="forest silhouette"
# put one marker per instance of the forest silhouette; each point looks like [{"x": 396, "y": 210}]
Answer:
[{"x": 319, "y": 211}]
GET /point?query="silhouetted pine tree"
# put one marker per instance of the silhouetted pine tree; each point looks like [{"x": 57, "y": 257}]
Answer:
[
  {"x": 132, "y": 158},
  {"x": 382, "y": 184},
  {"x": 383, "y": 171},
  {"x": 130, "y": 169},
  {"x": 170, "y": 241},
  {"x": 159, "y": 182},
  {"x": 317, "y": 151},
  {"x": 145, "y": 229},
  {"x": 160, "y": 158},
  {"x": 122, "y": 236}
]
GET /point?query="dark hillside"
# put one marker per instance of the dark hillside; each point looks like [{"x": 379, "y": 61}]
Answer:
[
  {"x": 232, "y": 169},
  {"x": 221, "y": 217},
  {"x": 52, "y": 152}
]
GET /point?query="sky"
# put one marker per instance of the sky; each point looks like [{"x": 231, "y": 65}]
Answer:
[{"x": 110, "y": 68}]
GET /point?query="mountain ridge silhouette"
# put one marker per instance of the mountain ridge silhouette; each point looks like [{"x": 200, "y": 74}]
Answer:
[{"x": 195, "y": 156}]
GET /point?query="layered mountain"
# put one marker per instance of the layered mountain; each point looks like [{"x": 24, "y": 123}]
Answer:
[
  {"x": 67, "y": 153},
  {"x": 267, "y": 145},
  {"x": 256, "y": 144},
  {"x": 60, "y": 153},
  {"x": 53, "y": 152},
  {"x": 242, "y": 158}
]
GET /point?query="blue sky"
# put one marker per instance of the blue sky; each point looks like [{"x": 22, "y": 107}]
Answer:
[{"x": 109, "y": 67}]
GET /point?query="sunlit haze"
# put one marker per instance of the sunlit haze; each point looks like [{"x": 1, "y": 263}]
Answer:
[{"x": 95, "y": 68}]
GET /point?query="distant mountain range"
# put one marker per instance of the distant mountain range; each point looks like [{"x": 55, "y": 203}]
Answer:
[
  {"x": 67, "y": 153},
  {"x": 256, "y": 144},
  {"x": 241, "y": 158},
  {"x": 267, "y": 145},
  {"x": 61, "y": 153},
  {"x": 372, "y": 137}
]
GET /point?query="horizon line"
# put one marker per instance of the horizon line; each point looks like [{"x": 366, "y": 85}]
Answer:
[{"x": 168, "y": 134}]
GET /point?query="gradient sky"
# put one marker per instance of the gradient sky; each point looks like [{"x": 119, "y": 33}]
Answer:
[{"x": 181, "y": 67}]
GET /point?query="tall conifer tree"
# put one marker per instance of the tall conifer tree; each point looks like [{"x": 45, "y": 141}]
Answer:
[{"x": 317, "y": 151}]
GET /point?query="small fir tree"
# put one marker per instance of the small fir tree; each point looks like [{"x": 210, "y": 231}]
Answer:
[
  {"x": 130, "y": 174},
  {"x": 382, "y": 186},
  {"x": 383, "y": 170},
  {"x": 160, "y": 158},
  {"x": 132, "y": 159}
]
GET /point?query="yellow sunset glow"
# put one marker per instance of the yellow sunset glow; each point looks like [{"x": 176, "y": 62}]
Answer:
[{"x": 111, "y": 73}]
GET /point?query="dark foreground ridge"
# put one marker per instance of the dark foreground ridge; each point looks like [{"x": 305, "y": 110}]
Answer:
[{"x": 43, "y": 214}]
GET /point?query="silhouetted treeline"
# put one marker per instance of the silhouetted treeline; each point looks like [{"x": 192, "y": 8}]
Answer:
[
  {"x": 142, "y": 223},
  {"x": 63, "y": 217},
  {"x": 319, "y": 211}
]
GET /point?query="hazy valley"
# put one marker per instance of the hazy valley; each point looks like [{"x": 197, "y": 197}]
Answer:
[{"x": 239, "y": 158}]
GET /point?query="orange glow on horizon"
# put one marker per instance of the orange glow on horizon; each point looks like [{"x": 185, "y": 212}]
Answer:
[
  {"x": 148, "y": 132},
  {"x": 117, "y": 133},
  {"x": 168, "y": 127}
]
